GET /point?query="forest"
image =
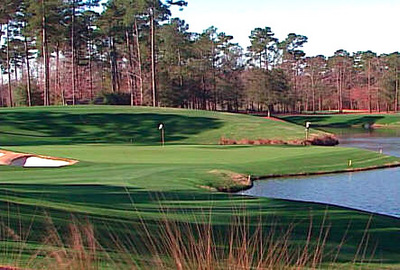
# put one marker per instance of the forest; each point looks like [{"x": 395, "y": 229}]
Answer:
[{"x": 133, "y": 52}]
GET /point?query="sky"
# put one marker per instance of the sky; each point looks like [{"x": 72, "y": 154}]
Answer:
[{"x": 352, "y": 25}]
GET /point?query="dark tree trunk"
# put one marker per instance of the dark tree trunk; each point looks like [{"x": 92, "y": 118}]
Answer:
[
  {"x": 73, "y": 56},
  {"x": 113, "y": 66},
  {"x": 60, "y": 89},
  {"x": 153, "y": 58},
  {"x": 369, "y": 87},
  {"x": 130, "y": 71},
  {"x": 139, "y": 64},
  {"x": 10, "y": 97},
  {"x": 28, "y": 73},
  {"x": 46, "y": 91},
  {"x": 90, "y": 71}
]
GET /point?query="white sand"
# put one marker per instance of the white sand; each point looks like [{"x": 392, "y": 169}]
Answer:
[
  {"x": 43, "y": 162},
  {"x": 32, "y": 162}
]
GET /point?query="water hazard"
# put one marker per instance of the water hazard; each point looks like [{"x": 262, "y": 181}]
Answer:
[{"x": 376, "y": 191}]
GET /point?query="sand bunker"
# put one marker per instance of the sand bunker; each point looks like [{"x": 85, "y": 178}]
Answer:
[{"x": 32, "y": 161}]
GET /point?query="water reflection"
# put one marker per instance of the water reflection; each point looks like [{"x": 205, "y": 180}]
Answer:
[
  {"x": 375, "y": 191},
  {"x": 385, "y": 141}
]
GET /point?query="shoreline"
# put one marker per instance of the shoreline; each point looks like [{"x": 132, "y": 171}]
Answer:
[
  {"x": 237, "y": 189},
  {"x": 333, "y": 205}
]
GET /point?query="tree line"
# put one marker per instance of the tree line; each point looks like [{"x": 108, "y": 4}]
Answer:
[{"x": 133, "y": 52}]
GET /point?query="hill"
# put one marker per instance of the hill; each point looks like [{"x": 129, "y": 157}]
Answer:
[{"x": 138, "y": 125}]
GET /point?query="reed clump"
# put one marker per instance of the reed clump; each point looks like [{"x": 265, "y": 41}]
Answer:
[{"x": 247, "y": 243}]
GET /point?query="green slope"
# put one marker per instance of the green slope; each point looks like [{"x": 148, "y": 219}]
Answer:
[
  {"x": 138, "y": 125},
  {"x": 345, "y": 120}
]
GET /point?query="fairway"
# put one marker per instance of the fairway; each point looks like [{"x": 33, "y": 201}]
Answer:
[
  {"x": 184, "y": 167},
  {"x": 119, "y": 184}
]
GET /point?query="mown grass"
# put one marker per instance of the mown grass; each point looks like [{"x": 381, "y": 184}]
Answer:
[
  {"x": 345, "y": 120},
  {"x": 184, "y": 166},
  {"x": 110, "y": 124},
  {"x": 128, "y": 190}
]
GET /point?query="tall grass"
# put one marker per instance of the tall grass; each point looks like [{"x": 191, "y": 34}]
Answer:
[{"x": 171, "y": 244}]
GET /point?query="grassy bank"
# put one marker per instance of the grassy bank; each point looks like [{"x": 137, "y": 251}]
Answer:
[
  {"x": 110, "y": 124},
  {"x": 345, "y": 120},
  {"x": 135, "y": 198}
]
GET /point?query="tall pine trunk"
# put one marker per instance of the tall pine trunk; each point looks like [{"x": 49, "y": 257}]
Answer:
[
  {"x": 113, "y": 66},
  {"x": 10, "y": 97},
  {"x": 130, "y": 71},
  {"x": 73, "y": 54},
  {"x": 214, "y": 76},
  {"x": 8, "y": 67},
  {"x": 46, "y": 90},
  {"x": 153, "y": 58},
  {"x": 60, "y": 89},
  {"x": 116, "y": 69},
  {"x": 339, "y": 85},
  {"x": 139, "y": 63},
  {"x": 369, "y": 86},
  {"x": 112, "y": 76},
  {"x": 28, "y": 73},
  {"x": 90, "y": 71},
  {"x": 313, "y": 91}
]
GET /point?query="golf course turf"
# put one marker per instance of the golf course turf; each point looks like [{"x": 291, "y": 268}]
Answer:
[
  {"x": 346, "y": 120},
  {"x": 125, "y": 179}
]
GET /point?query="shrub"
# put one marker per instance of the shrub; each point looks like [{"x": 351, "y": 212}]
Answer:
[
  {"x": 21, "y": 97},
  {"x": 114, "y": 98}
]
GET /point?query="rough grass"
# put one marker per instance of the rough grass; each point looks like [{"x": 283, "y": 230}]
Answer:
[
  {"x": 118, "y": 186},
  {"x": 243, "y": 243}
]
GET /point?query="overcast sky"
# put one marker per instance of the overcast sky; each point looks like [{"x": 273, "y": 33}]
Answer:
[{"x": 353, "y": 25}]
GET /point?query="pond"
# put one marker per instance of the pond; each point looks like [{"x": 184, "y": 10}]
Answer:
[{"x": 376, "y": 191}]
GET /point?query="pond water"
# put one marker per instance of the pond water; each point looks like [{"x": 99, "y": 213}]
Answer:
[{"x": 376, "y": 191}]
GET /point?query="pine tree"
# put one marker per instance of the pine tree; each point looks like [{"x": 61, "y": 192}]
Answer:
[
  {"x": 7, "y": 15},
  {"x": 44, "y": 24},
  {"x": 263, "y": 47}
]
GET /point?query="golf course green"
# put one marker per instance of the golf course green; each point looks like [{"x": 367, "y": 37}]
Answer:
[
  {"x": 129, "y": 189},
  {"x": 346, "y": 120}
]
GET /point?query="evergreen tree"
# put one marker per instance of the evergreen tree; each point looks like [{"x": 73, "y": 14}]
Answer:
[
  {"x": 391, "y": 78},
  {"x": 43, "y": 24},
  {"x": 263, "y": 47}
]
